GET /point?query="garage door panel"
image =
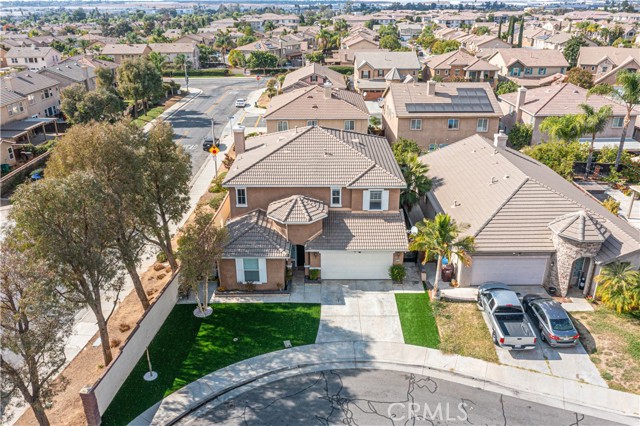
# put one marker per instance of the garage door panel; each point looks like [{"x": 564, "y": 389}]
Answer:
[
  {"x": 522, "y": 270},
  {"x": 341, "y": 265}
]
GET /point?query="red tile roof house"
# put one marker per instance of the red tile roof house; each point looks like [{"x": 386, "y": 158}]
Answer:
[
  {"x": 605, "y": 62},
  {"x": 529, "y": 67},
  {"x": 532, "y": 106},
  {"x": 312, "y": 198},
  {"x": 532, "y": 227}
]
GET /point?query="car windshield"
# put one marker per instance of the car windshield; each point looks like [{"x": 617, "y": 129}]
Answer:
[{"x": 563, "y": 324}]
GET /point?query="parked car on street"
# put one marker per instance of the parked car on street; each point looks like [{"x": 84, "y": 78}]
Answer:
[
  {"x": 208, "y": 142},
  {"x": 510, "y": 327},
  {"x": 240, "y": 103},
  {"x": 551, "y": 319}
]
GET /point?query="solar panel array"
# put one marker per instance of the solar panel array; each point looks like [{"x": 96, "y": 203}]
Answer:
[{"x": 467, "y": 100}]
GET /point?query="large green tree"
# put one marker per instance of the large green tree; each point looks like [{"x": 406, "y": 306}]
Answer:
[
  {"x": 593, "y": 122},
  {"x": 139, "y": 80},
  {"x": 520, "y": 135},
  {"x": 619, "y": 287},
  {"x": 415, "y": 175},
  {"x": 579, "y": 77},
  {"x": 572, "y": 50},
  {"x": 565, "y": 128},
  {"x": 81, "y": 106},
  {"x": 442, "y": 237},
  {"x": 223, "y": 43},
  {"x": 626, "y": 92},
  {"x": 62, "y": 220},
  {"x": 34, "y": 323},
  {"x": 262, "y": 60},
  {"x": 559, "y": 156}
]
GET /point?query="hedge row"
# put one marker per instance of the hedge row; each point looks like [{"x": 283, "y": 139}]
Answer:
[
  {"x": 342, "y": 69},
  {"x": 211, "y": 72}
]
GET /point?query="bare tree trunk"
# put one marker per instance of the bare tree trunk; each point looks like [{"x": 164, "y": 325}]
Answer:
[
  {"x": 38, "y": 412},
  {"x": 436, "y": 281},
  {"x": 104, "y": 332},
  {"x": 627, "y": 120},
  {"x": 165, "y": 240},
  {"x": 137, "y": 284},
  {"x": 590, "y": 157}
]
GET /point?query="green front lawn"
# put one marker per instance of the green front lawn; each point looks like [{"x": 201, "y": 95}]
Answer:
[
  {"x": 187, "y": 348},
  {"x": 416, "y": 318},
  {"x": 152, "y": 114}
]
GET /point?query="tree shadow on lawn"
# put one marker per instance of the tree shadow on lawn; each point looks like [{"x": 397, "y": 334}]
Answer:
[{"x": 187, "y": 348}]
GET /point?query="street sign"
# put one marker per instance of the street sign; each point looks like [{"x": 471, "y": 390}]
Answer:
[{"x": 214, "y": 150}]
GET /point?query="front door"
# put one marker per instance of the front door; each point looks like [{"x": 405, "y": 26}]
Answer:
[
  {"x": 300, "y": 256},
  {"x": 578, "y": 271}
]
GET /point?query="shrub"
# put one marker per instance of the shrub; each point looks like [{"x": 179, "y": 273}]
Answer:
[
  {"x": 161, "y": 276},
  {"x": 520, "y": 136},
  {"x": 161, "y": 257},
  {"x": 314, "y": 274},
  {"x": 124, "y": 327},
  {"x": 158, "y": 267},
  {"x": 397, "y": 273},
  {"x": 612, "y": 205},
  {"x": 217, "y": 183},
  {"x": 216, "y": 201},
  {"x": 115, "y": 342},
  {"x": 342, "y": 69},
  {"x": 228, "y": 161}
]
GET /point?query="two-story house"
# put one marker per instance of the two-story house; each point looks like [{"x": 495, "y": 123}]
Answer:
[
  {"x": 68, "y": 73},
  {"x": 33, "y": 58},
  {"x": 373, "y": 71},
  {"x": 42, "y": 92},
  {"x": 313, "y": 75},
  {"x": 190, "y": 52},
  {"x": 529, "y": 67},
  {"x": 532, "y": 106},
  {"x": 458, "y": 65},
  {"x": 315, "y": 199},
  {"x": 604, "y": 62},
  {"x": 437, "y": 114},
  {"x": 120, "y": 52},
  {"x": 318, "y": 106}
]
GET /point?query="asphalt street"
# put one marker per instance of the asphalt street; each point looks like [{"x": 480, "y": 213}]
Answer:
[
  {"x": 377, "y": 397},
  {"x": 193, "y": 122}
]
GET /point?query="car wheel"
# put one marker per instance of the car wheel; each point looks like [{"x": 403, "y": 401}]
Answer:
[
  {"x": 543, "y": 337},
  {"x": 494, "y": 337}
]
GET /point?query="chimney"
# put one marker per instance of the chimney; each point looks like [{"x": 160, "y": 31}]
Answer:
[
  {"x": 431, "y": 88},
  {"x": 327, "y": 90},
  {"x": 85, "y": 75},
  {"x": 238, "y": 139},
  {"x": 500, "y": 139},
  {"x": 8, "y": 82},
  {"x": 520, "y": 99}
]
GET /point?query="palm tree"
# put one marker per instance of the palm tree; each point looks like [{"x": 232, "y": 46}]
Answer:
[
  {"x": 322, "y": 39},
  {"x": 418, "y": 184},
  {"x": 181, "y": 61},
  {"x": 223, "y": 43},
  {"x": 561, "y": 128},
  {"x": 441, "y": 237},
  {"x": 158, "y": 60},
  {"x": 83, "y": 45},
  {"x": 627, "y": 92},
  {"x": 593, "y": 122},
  {"x": 619, "y": 287},
  {"x": 269, "y": 26}
]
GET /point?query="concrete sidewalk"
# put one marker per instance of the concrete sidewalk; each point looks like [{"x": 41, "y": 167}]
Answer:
[{"x": 235, "y": 379}]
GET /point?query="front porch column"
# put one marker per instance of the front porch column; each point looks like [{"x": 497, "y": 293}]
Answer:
[{"x": 567, "y": 252}]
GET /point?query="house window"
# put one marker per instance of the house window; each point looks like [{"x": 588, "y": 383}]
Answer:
[
  {"x": 14, "y": 60},
  {"x": 617, "y": 122},
  {"x": 365, "y": 74},
  {"x": 457, "y": 72},
  {"x": 528, "y": 71},
  {"x": 416, "y": 124},
  {"x": 349, "y": 125},
  {"x": 483, "y": 125},
  {"x": 283, "y": 125},
  {"x": 312, "y": 122},
  {"x": 453, "y": 124},
  {"x": 251, "y": 270},
  {"x": 314, "y": 78},
  {"x": 604, "y": 69},
  {"x": 380, "y": 73},
  {"x": 32, "y": 99},
  {"x": 593, "y": 68},
  {"x": 15, "y": 108},
  {"x": 336, "y": 197},
  {"x": 241, "y": 197},
  {"x": 515, "y": 71},
  {"x": 542, "y": 71},
  {"x": 10, "y": 152},
  {"x": 375, "y": 200},
  {"x": 446, "y": 72},
  {"x": 47, "y": 93}
]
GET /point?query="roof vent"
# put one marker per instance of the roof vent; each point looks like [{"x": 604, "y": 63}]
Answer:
[
  {"x": 455, "y": 204},
  {"x": 473, "y": 151},
  {"x": 493, "y": 180},
  {"x": 506, "y": 177},
  {"x": 315, "y": 107}
]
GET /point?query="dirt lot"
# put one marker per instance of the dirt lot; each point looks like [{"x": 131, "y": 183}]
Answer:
[
  {"x": 87, "y": 367},
  {"x": 463, "y": 331},
  {"x": 613, "y": 343}
]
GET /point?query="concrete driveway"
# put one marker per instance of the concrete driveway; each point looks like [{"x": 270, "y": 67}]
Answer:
[
  {"x": 570, "y": 363},
  {"x": 361, "y": 310}
]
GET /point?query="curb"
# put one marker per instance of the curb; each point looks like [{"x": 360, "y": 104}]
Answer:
[
  {"x": 180, "y": 104},
  {"x": 238, "y": 378}
]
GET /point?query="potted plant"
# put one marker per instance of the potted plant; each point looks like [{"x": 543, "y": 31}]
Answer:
[
  {"x": 397, "y": 273},
  {"x": 314, "y": 275},
  {"x": 454, "y": 283}
]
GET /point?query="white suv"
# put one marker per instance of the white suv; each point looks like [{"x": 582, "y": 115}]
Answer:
[{"x": 240, "y": 103}]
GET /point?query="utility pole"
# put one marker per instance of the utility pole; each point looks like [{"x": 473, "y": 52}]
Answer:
[{"x": 186, "y": 76}]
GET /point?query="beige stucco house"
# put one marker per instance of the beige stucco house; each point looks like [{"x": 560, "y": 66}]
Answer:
[
  {"x": 313, "y": 74},
  {"x": 437, "y": 114},
  {"x": 318, "y": 106},
  {"x": 120, "y": 52},
  {"x": 529, "y": 67},
  {"x": 312, "y": 199},
  {"x": 33, "y": 58},
  {"x": 605, "y": 62},
  {"x": 373, "y": 71}
]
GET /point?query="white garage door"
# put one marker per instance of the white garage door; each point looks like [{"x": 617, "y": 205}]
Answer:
[
  {"x": 523, "y": 270},
  {"x": 364, "y": 265}
]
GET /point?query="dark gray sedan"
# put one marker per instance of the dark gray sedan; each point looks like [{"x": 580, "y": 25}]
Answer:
[{"x": 551, "y": 319}]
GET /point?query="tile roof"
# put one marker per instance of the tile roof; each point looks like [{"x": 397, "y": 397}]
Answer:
[
  {"x": 459, "y": 58},
  {"x": 463, "y": 99},
  {"x": 509, "y": 199},
  {"x": 561, "y": 99},
  {"x": 71, "y": 70},
  {"x": 297, "y": 209},
  {"x": 595, "y": 55},
  {"x": 173, "y": 47},
  {"x": 29, "y": 52},
  {"x": 255, "y": 235},
  {"x": 8, "y": 97},
  {"x": 123, "y": 49},
  {"x": 344, "y": 230},
  {"x": 310, "y": 103},
  {"x": 294, "y": 77},
  {"x": 580, "y": 226},
  {"x": 388, "y": 60},
  {"x": 316, "y": 156},
  {"x": 26, "y": 82},
  {"x": 533, "y": 57}
]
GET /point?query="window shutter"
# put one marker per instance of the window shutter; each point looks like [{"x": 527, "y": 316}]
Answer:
[
  {"x": 385, "y": 200},
  {"x": 239, "y": 271},
  {"x": 365, "y": 200},
  {"x": 262, "y": 268}
]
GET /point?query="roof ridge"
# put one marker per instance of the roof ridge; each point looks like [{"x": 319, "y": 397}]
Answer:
[
  {"x": 267, "y": 235},
  {"x": 563, "y": 86},
  {"x": 303, "y": 91},
  {"x": 501, "y": 206},
  {"x": 346, "y": 100}
]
